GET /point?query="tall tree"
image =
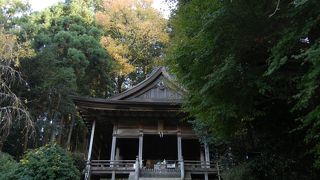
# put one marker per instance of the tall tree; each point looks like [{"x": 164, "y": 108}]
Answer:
[
  {"x": 251, "y": 69},
  {"x": 13, "y": 111},
  {"x": 69, "y": 60},
  {"x": 135, "y": 35}
]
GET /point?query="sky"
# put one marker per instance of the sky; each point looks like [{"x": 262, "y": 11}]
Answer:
[{"x": 38, "y": 5}]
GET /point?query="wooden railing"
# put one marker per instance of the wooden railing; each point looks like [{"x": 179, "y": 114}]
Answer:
[
  {"x": 166, "y": 168},
  {"x": 205, "y": 166},
  {"x": 160, "y": 172},
  {"x": 116, "y": 165},
  {"x": 171, "y": 168}
]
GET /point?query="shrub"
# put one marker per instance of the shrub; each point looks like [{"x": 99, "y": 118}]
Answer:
[
  {"x": 50, "y": 162},
  {"x": 79, "y": 160},
  {"x": 8, "y": 166},
  {"x": 239, "y": 172}
]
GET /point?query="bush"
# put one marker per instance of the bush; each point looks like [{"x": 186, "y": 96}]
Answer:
[
  {"x": 79, "y": 160},
  {"x": 239, "y": 172},
  {"x": 50, "y": 162},
  {"x": 8, "y": 166}
]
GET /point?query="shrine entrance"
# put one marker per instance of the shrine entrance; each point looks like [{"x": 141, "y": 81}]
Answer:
[
  {"x": 127, "y": 148},
  {"x": 157, "y": 149}
]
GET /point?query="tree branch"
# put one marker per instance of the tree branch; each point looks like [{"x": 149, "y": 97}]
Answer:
[{"x": 277, "y": 9}]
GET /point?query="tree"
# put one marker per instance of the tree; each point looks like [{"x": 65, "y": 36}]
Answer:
[
  {"x": 12, "y": 108},
  {"x": 10, "y": 11},
  {"x": 251, "y": 70},
  {"x": 69, "y": 61},
  {"x": 135, "y": 35}
]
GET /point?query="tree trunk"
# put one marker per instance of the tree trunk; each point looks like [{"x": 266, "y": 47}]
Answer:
[
  {"x": 46, "y": 137},
  {"x": 26, "y": 140},
  {"x": 54, "y": 118},
  {"x": 70, "y": 132},
  {"x": 2, "y": 139},
  {"x": 53, "y": 133},
  {"x": 62, "y": 125}
]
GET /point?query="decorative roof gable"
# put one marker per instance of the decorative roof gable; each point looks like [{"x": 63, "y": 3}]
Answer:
[{"x": 158, "y": 87}]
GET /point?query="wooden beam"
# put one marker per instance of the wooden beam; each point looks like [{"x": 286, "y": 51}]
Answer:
[
  {"x": 87, "y": 175},
  {"x": 207, "y": 158},
  {"x": 206, "y": 153},
  {"x": 180, "y": 158},
  {"x": 140, "y": 149},
  {"x": 202, "y": 159},
  {"x": 114, "y": 141},
  {"x": 113, "y": 147},
  {"x": 91, "y": 140}
]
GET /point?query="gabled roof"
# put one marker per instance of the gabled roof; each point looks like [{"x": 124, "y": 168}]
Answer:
[
  {"x": 156, "y": 96},
  {"x": 158, "y": 87}
]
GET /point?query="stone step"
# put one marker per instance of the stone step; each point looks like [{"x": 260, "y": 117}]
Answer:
[
  {"x": 132, "y": 176},
  {"x": 154, "y": 178}
]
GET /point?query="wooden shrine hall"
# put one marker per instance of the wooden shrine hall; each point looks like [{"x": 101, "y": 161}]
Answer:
[{"x": 140, "y": 134}]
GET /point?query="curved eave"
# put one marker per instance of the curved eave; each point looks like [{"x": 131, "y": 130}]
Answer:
[
  {"x": 104, "y": 110},
  {"x": 109, "y": 104}
]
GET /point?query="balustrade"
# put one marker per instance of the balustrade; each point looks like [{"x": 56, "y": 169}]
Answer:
[{"x": 166, "y": 169}]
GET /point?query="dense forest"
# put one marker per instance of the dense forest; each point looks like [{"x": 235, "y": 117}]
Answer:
[{"x": 251, "y": 70}]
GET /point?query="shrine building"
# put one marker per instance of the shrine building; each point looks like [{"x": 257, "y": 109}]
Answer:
[{"x": 142, "y": 134}]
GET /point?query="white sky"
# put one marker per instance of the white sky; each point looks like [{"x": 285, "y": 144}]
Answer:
[{"x": 38, "y": 5}]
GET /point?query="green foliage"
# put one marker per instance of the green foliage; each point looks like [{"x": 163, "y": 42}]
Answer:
[
  {"x": 69, "y": 61},
  {"x": 8, "y": 166},
  {"x": 13, "y": 112},
  {"x": 252, "y": 72},
  {"x": 48, "y": 162},
  {"x": 9, "y": 9},
  {"x": 79, "y": 160},
  {"x": 317, "y": 155},
  {"x": 239, "y": 172},
  {"x": 211, "y": 65},
  {"x": 75, "y": 41},
  {"x": 265, "y": 166}
]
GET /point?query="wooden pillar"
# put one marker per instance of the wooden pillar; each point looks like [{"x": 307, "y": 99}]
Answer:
[
  {"x": 180, "y": 158},
  {"x": 140, "y": 149},
  {"x": 206, "y": 176},
  {"x": 113, "y": 147},
  {"x": 91, "y": 140},
  {"x": 114, "y": 142},
  {"x": 202, "y": 159},
  {"x": 113, "y": 176},
  {"x": 87, "y": 175},
  {"x": 182, "y": 170},
  {"x": 206, "y": 153},
  {"x": 179, "y": 146},
  {"x": 218, "y": 171},
  {"x": 207, "y": 158},
  {"x": 136, "y": 176}
]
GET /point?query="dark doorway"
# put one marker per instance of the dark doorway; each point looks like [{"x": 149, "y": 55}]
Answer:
[
  {"x": 128, "y": 148},
  {"x": 190, "y": 149},
  {"x": 160, "y": 148}
]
